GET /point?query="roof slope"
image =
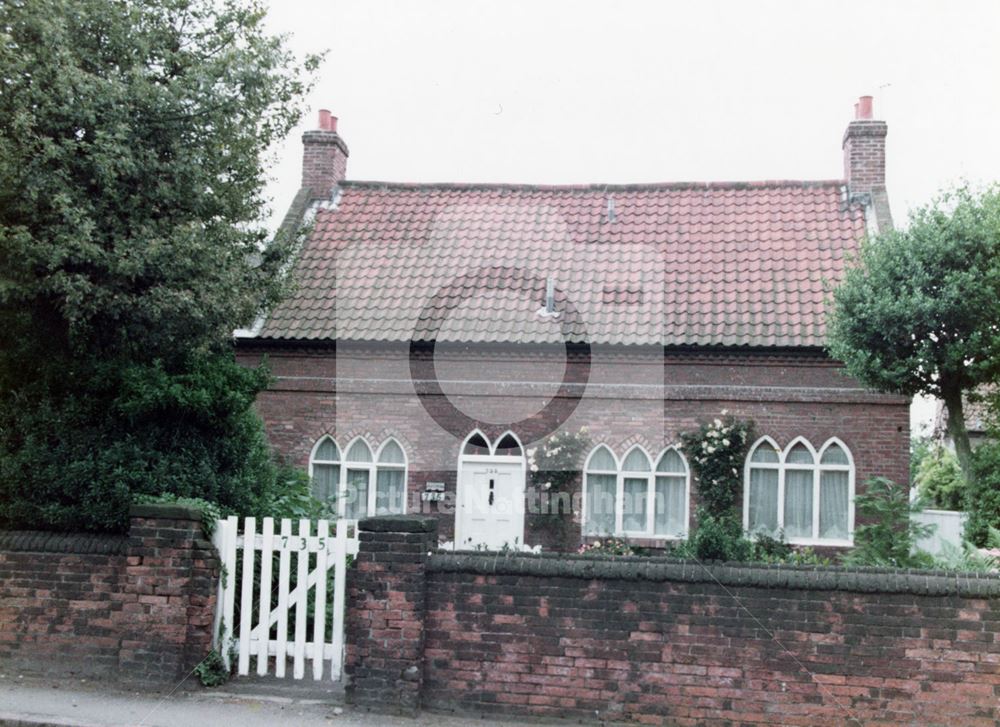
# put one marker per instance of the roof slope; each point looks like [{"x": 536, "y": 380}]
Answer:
[{"x": 741, "y": 264}]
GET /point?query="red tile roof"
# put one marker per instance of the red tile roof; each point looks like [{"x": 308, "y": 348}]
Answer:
[{"x": 730, "y": 264}]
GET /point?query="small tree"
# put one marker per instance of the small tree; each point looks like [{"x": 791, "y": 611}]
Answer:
[
  {"x": 889, "y": 532},
  {"x": 939, "y": 480},
  {"x": 918, "y": 312}
]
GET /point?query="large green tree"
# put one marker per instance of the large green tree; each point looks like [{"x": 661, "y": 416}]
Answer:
[
  {"x": 919, "y": 311},
  {"x": 134, "y": 139}
]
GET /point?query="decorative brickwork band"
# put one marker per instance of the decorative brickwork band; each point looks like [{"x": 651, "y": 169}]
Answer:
[{"x": 386, "y": 596}]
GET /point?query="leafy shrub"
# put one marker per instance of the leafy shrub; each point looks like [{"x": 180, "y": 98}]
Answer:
[
  {"x": 939, "y": 479},
  {"x": 212, "y": 670},
  {"x": 888, "y": 532},
  {"x": 965, "y": 558},
  {"x": 716, "y": 538},
  {"x": 77, "y": 459},
  {"x": 609, "y": 546},
  {"x": 554, "y": 469},
  {"x": 983, "y": 494}
]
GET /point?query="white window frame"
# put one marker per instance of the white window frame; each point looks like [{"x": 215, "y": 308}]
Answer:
[
  {"x": 379, "y": 465},
  {"x": 588, "y": 470},
  {"x": 687, "y": 492},
  {"x": 370, "y": 467},
  {"x": 623, "y": 475},
  {"x": 783, "y": 466},
  {"x": 620, "y": 475}
]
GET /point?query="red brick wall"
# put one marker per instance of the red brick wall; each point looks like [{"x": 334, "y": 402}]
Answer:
[
  {"x": 864, "y": 155},
  {"x": 137, "y": 608},
  {"x": 638, "y": 396},
  {"x": 324, "y": 162},
  {"x": 384, "y": 624},
  {"x": 665, "y": 642}
]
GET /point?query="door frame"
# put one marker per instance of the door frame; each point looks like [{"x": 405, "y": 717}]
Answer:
[{"x": 485, "y": 459}]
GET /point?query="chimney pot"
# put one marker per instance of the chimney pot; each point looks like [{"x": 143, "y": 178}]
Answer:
[
  {"x": 863, "y": 108},
  {"x": 327, "y": 121}
]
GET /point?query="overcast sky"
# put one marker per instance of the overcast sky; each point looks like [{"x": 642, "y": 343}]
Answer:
[{"x": 579, "y": 92}]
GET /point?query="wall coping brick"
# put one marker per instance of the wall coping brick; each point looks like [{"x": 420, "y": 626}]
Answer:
[
  {"x": 38, "y": 541},
  {"x": 166, "y": 511},
  {"x": 861, "y": 580},
  {"x": 398, "y": 524}
]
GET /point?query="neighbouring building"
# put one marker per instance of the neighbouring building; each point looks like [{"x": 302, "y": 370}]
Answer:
[
  {"x": 976, "y": 413},
  {"x": 439, "y": 333}
]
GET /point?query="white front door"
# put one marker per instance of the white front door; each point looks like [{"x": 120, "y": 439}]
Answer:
[{"x": 490, "y": 510}]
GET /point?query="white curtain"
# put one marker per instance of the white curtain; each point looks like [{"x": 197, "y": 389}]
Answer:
[
  {"x": 634, "y": 507},
  {"x": 389, "y": 491},
  {"x": 325, "y": 479},
  {"x": 798, "y": 503},
  {"x": 357, "y": 494},
  {"x": 763, "y": 500},
  {"x": 600, "y": 518},
  {"x": 670, "y": 506},
  {"x": 833, "y": 499}
]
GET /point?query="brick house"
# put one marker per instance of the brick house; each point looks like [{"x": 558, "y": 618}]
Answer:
[{"x": 439, "y": 333}]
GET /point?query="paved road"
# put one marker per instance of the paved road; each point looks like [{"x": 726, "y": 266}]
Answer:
[{"x": 80, "y": 703}]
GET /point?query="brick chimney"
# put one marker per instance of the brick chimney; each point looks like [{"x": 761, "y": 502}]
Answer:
[
  {"x": 324, "y": 157},
  {"x": 864, "y": 162},
  {"x": 864, "y": 150}
]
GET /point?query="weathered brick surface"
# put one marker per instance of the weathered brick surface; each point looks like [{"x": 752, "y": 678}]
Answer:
[
  {"x": 670, "y": 644},
  {"x": 645, "y": 397},
  {"x": 135, "y": 608},
  {"x": 386, "y": 595}
]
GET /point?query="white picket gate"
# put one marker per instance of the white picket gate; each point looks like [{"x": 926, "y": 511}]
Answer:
[{"x": 268, "y": 603}]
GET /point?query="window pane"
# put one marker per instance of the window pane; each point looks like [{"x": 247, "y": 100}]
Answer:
[
  {"x": 833, "y": 499},
  {"x": 476, "y": 445},
  {"x": 327, "y": 450},
  {"x": 602, "y": 459},
  {"x": 834, "y": 454},
  {"x": 636, "y": 461},
  {"x": 763, "y": 500},
  {"x": 798, "y": 503},
  {"x": 391, "y": 453},
  {"x": 670, "y": 506},
  {"x": 799, "y": 454},
  {"x": 508, "y": 446},
  {"x": 357, "y": 494},
  {"x": 326, "y": 478},
  {"x": 634, "y": 507},
  {"x": 389, "y": 491},
  {"x": 359, "y": 452},
  {"x": 600, "y": 505},
  {"x": 765, "y": 453},
  {"x": 671, "y": 461}
]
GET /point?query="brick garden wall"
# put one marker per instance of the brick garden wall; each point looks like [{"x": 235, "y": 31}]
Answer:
[
  {"x": 664, "y": 642},
  {"x": 135, "y": 607}
]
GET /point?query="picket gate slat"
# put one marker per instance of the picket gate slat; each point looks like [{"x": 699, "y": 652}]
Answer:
[
  {"x": 301, "y": 604},
  {"x": 284, "y": 573},
  {"x": 266, "y": 559},
  {"x": 319, "y": 609},
  {"x": 246, "y": 596},
  {"x": 229, "y": 598},
  {"x": 339, "y": 575},
  {"x": 318, "y": 557}
]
